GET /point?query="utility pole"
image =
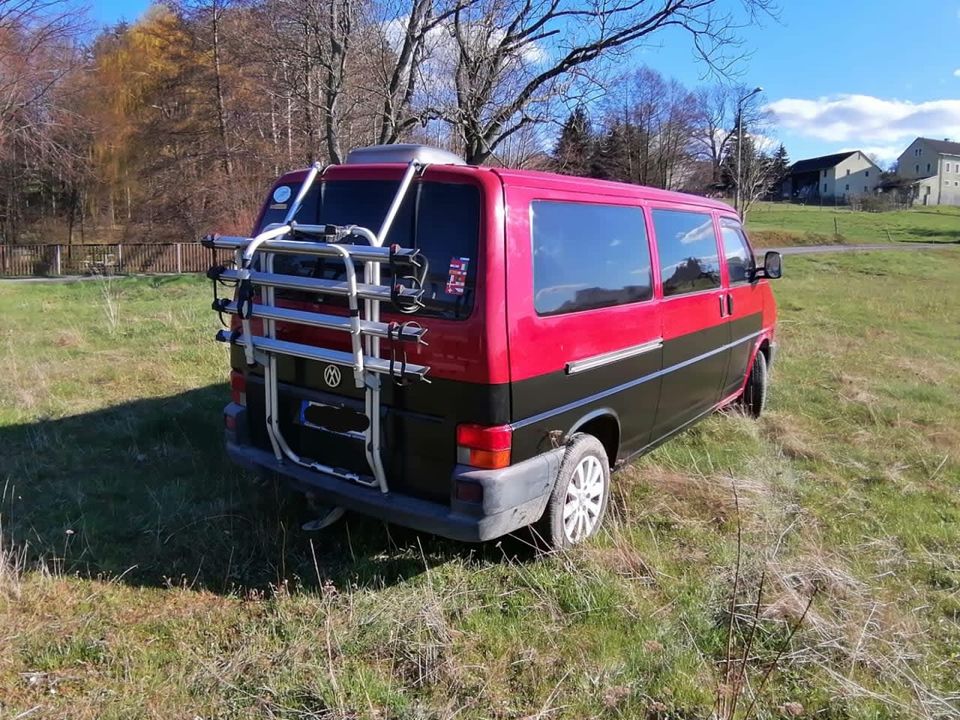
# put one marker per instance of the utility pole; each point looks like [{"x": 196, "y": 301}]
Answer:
[{"x": 738, "y": 201}]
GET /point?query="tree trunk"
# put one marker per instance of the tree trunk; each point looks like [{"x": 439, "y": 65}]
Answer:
[{"x": 221, "y": 106}]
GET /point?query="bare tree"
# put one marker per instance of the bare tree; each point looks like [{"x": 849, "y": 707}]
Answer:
[
  {"x": 512, "y": 53},
  {"x": 38, "y": 52},
  {"x": 410, "y": 33},
  {"x": 716, "y": 122}
]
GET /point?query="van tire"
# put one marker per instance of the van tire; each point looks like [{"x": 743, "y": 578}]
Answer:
[
  {"x": 755, "y": 393},
  {"x": 585, "y": 454}
]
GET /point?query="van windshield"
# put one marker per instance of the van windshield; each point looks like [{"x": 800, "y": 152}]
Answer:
[{"x": 441, "y": 219}]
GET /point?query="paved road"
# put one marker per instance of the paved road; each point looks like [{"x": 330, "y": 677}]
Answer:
[{"x": 811, "y": 249}]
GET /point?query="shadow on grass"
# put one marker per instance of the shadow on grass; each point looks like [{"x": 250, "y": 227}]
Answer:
[{"x": 143, "y": 492}]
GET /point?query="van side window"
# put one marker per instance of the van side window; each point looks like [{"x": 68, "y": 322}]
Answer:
[
  {"x": 588, "y": 256},
  {"x": 688, "y": 251},
  {"x": 740, "y": 261}
]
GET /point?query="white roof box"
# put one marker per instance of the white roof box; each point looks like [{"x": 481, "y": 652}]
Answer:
[{"x": 423, "y": 154}]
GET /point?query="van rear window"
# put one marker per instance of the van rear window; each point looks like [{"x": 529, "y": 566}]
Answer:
[
  {"x": 442, "y": 219},
  {"x": 588, "y": 256}
]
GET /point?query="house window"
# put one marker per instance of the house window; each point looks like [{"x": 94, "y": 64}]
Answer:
[
  {"x": 865, "y": 189},
  {"x": 866, "y": 173},
  {"x": 947, "y": 168},
  {"x": 848, "y": 171},
  {"x": 824, "y": 187},
  {"x": 918, "y": 169},
  {"x": 824, "y": 173},
  {"x": 847, "y": 187},
  {"x": 928, "y": 167}
]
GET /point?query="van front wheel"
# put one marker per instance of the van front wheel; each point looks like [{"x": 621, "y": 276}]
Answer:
[{"x": 579, "y": 499}]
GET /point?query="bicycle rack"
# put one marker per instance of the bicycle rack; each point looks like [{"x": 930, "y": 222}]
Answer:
[{"x": 364, "y": 326}]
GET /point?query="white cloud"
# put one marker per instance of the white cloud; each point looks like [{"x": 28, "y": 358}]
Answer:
[
  {"x": 867, "y": 120},
  {"x": 882, "y": 154},
  {"x": 956, "y": 73}
]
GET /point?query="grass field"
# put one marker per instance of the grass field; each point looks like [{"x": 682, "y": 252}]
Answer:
[
  {"x": 782, "y": 224},
  {"x": 141, "y": 576}
]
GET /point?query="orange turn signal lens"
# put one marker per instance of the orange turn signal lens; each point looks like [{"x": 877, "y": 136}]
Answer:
[{"x": 484, "y": 447}]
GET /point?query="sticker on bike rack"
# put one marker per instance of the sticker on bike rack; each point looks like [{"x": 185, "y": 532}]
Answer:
[
  {"x": 281, "y": 194},
  {"x": 457, "y": 275}
]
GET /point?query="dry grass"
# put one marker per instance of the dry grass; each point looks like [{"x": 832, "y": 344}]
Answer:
[{"x": 140, "y": 576}]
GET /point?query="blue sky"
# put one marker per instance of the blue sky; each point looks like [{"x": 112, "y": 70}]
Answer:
[{"x": 837, "y": 74}]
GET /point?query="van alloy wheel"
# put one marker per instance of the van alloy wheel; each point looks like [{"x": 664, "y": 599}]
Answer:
[
  {"x": 584, "y": 500},
  {"x": 579, "y": 499}
]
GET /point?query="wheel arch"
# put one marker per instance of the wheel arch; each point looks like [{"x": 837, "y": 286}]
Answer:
[{"x": 603, "y": 424}]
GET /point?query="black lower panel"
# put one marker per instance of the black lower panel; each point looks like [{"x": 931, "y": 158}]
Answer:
[
  {"x": 419, "y": 451},
  {"x": 695, "y": 384},
  {"x": 740, "y": 353},
  {"x": 651, "y": 395}
]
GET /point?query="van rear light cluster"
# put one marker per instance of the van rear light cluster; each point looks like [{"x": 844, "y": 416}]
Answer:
[
  {"x": 238, "y": 387},
  {"x": 484, "y": 447}
]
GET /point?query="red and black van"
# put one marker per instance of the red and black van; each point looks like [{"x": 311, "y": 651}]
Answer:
[{"x": 469, "y": 350}]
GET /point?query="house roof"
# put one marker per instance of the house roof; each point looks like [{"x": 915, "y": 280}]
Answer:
[
  {"x": 820, "y": 163},
  {"x": 943, "y": 147}
]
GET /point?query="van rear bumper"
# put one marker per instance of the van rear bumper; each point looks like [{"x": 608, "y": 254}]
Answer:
[{"x": 513, "y": 497}]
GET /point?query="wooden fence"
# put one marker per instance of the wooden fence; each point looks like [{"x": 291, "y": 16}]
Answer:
[{"x": 127, "y": 258}]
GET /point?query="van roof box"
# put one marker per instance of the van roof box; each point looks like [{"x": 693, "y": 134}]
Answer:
[{"x": 421, "y": 154}]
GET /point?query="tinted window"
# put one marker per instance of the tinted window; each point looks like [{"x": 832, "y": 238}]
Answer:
[
  {"x": 736, "y": 251},
  {"x": 445, "y": 226},
  {"x": 588, "y": 256},
  {"x": 688, "y": 251}
]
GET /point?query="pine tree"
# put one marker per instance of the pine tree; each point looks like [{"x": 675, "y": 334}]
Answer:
[
  {"x": 574, "y": 149},
  {"x": 781, "y": 165}
]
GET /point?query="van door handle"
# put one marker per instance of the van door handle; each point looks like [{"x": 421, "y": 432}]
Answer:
[
  {"x": 729, "y": 303},
  {"x": 723, "y": 306}
]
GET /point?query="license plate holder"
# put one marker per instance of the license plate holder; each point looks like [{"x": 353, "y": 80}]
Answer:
[{"x": 332, "y": 418}]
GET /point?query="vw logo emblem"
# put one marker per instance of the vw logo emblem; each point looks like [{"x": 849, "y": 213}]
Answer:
[{"x": 331, "y": 375}]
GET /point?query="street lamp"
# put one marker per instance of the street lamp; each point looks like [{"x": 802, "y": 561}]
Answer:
[{"x": 740, "y": 102}]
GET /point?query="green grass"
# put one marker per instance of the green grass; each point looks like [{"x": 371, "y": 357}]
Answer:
[
  {"x": 142, "y": 576},
  {"x": 781, "y": 224}
]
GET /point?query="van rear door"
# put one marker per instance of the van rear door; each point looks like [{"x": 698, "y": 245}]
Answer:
[{"x": 321, "y": 409}]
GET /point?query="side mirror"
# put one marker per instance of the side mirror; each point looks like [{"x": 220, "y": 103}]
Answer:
[{"x": 772, "y": 265}]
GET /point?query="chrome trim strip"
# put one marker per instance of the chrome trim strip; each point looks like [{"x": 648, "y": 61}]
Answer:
[
  {"x": 633, "y": 383},
  {"x": 611, "y": 357}
]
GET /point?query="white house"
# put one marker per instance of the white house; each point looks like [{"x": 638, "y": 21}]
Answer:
[
  {"x": 933, "y": 169},
  {"x": 841, "y": 176}
]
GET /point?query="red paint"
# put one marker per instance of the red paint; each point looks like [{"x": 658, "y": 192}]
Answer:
[{"x": 497, "y": 343}]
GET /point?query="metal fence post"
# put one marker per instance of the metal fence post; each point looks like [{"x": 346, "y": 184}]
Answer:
[
  {"x": 57, "y": 267},
  {"x": 179, "y": 259},
  {"x": 119, "y": 258}
]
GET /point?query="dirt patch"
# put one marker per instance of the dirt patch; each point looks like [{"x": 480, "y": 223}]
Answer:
[
  {"x": 793, "y": 440},
  {"x": 785, "y": 238}
]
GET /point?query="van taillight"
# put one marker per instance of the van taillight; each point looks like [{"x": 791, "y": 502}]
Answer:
[
  {"x": 484, "y": 447},
  {"x": 238, "y": 387}
]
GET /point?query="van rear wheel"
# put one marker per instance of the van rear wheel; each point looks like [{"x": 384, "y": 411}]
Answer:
[
  {"x": 579, "y": 499},
  {"x": 755, "y": 393}
]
